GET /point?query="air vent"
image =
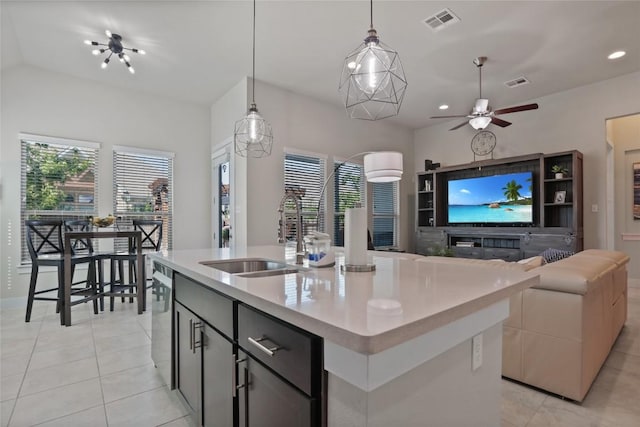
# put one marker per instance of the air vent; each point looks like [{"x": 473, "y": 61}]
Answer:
[
  {"x": 440, "y": 20},
  {"x": 518, "y": 81}
]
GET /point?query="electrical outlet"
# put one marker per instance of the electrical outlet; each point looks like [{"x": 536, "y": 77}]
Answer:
[{"x": 476, "y": 352}]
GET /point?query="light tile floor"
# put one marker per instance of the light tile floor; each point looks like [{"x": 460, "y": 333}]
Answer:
[{"x": 99, "y": 372}]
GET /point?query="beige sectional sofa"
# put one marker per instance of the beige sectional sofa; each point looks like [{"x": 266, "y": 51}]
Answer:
[{"x": 560, "y": 332}]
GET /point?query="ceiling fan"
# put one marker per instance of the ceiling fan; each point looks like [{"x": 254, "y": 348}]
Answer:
[{"x": 481, "y": 114}]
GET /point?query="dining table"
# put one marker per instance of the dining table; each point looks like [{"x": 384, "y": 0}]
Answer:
[{"x": 135, "y": 241}]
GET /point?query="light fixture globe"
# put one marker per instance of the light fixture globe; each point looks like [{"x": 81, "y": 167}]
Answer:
[
  {"x": 252, "y": 135},
  {"x": 373, "y": 80},
  {"x": 480, "y": 122}
]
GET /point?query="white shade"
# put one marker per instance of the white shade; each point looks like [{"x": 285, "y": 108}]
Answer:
[
  {"x": 383, "y": 166},
  {"x": 480, "y": 122}
]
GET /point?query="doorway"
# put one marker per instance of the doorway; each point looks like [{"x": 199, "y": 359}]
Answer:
[{"x": 221, "y": 199}]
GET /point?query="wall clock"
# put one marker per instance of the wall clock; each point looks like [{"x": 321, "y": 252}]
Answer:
[{"x": 483, "y": 143}]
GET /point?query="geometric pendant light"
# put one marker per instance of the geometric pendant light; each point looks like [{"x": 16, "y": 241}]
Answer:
[
  {"x": 373, "y": 81},
  {"x": 252, "y": 134}
]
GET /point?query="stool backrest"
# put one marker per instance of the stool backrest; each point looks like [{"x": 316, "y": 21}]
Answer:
[
  {"x": 44, "y": 237},
  {"x": 79, "y": 245},
  {"x": 151, "y": 233}
]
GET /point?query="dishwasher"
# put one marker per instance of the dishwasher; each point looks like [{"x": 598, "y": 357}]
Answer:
[{"x": 161, "y": 321}]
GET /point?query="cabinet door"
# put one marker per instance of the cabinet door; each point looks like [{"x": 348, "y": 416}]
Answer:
[
  {"x": 218, "y": 363},
  {"x": 188, "y": 360},
  {"x": 265, "y": 400}
]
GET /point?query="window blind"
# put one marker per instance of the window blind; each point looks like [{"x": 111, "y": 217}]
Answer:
[
  {"x": 58, "y": 181},
  {"x": 143, "y": 188},
  {"x": 385, "y": 213},
  {"x": 304, "y": 173},
  {"x": 348, "y": 193}
]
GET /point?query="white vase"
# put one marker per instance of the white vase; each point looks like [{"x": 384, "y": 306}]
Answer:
[{"x": 559, "y": 175}]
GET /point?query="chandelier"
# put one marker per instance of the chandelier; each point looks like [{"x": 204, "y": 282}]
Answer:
[
  {"x": 114, "y": 47},
  {"x": 373, "y": 79},
  {"x": 252, "y": 134}
]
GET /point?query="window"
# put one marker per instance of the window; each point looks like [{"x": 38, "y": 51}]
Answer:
[
  {"x": 304, "y": 175},
  {"x": 385, "y": 214},
  {"x": 58, "y": 180},
  {"x": 348, "y": 193},
  {"x": 143, "y": 187}
]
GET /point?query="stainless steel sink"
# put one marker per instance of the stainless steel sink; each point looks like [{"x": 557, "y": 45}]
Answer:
[{"x": 251, "y": 267}]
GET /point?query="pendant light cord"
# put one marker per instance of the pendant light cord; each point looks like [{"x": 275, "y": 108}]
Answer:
[
  {"x": 371, "y": 8},
  {"x": 253, "y": 77},
  {"x": 480, "y": 71}
]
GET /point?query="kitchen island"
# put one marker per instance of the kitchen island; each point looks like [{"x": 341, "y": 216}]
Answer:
[{"x": 413, "y": 343}]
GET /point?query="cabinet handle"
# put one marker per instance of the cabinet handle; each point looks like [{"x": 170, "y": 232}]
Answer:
[
  {"x": 190, "y": 334},
  {"x": 234, "y": 375},
  {"x": 196, "y": 344},
  {"x": 270, "y": 351}
]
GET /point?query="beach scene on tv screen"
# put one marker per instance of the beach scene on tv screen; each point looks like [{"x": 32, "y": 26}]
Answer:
[{"x": 492, "y": 199}]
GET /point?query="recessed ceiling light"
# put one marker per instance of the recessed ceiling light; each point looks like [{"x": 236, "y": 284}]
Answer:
[
  {"x": 617, "y": 54},
  {"x": 444, "y": 107}
]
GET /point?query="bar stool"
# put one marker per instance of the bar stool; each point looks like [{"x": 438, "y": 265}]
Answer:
[{"x": 44, "y": 241}]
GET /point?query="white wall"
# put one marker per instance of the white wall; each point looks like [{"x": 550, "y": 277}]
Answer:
[
  {"x": 625, "y": 136},
  {"x": 573, "y": 119},
  {"x": 231, "y": 107},
  {"x": 45, "y": 103},
  {"x": 305, "y": 124}
]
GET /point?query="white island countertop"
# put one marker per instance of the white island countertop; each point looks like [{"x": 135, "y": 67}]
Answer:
[{"x": 406, "y": 297}]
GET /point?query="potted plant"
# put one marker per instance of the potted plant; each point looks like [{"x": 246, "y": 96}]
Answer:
[{"x": 560, "y": 171}]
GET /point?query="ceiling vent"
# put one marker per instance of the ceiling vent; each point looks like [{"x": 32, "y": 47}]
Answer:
[
  {"x": 440, "y": 20},
  {"x": 518, "y": 81}
]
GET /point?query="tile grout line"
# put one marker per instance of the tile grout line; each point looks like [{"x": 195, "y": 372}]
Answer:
[
  {"x": 24, "y": 374},
  {"x": 104, "y": 405}
]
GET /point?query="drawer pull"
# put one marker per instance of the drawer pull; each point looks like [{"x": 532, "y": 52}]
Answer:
[
  {"x": 257, "y": 342},
  {"x": 196, "y": 344}
]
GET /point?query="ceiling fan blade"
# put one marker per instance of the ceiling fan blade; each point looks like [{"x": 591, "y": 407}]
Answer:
[
  {"x": 459, "y": 126},
  {"x": 500, "y": 122},
  {"x": 448, "y": 117},
  {"x": 516, "y": 109}
]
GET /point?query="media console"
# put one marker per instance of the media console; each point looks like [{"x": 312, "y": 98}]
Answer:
[{"x": 556, "y": 215}]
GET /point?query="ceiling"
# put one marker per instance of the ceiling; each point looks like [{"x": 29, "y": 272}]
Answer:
[{"x": 197, "y": 50}]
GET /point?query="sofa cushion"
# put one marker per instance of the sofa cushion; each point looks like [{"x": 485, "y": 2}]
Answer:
[
  {"x": 575, "y": 275},
  {"x": 620, "y": 258},
  {"x": 533, "y": 262},
  {"x": 552, "y": 255}
]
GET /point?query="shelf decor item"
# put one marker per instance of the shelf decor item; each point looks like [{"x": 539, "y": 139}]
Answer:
[
  {"x": 559, "y": 171},
  {"x": 252, "y": 135},
  {"x": 103, "y": 222},
  {"x": 559, "y": 197},
  {"x": 373, "y": 80}
]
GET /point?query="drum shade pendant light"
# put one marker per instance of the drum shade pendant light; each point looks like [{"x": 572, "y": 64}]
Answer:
[
  {"x": 114, "y": 47},
  {"x": 252, "y": 135},
  {"x": 373, "y": 81}
]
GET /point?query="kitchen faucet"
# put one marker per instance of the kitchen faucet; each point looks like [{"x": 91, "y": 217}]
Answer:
[{"x": 294, "y": 195}]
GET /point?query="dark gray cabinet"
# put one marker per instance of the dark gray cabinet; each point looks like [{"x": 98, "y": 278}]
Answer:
[
  {"x": 237, "y": 366},
  {"x": 266, "y": 400},
  {"x": 204, "y": 356}
]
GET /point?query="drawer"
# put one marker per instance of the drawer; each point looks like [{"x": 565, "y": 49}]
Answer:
[
  {"x": 461, "y": 252},
  {"x": 211, "y": 306},
  {"x": 298, "y": 357},
  {"x": 500, "y": 253}
]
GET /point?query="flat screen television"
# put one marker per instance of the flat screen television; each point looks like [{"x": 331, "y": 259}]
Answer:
[{"x": 499, "y": 200}]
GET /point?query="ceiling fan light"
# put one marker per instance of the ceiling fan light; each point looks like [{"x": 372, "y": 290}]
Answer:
[
  {"x": 480, "y": 122},
  {"x": 617, "y": 54},
  {"x": 108, "y": 33}
]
